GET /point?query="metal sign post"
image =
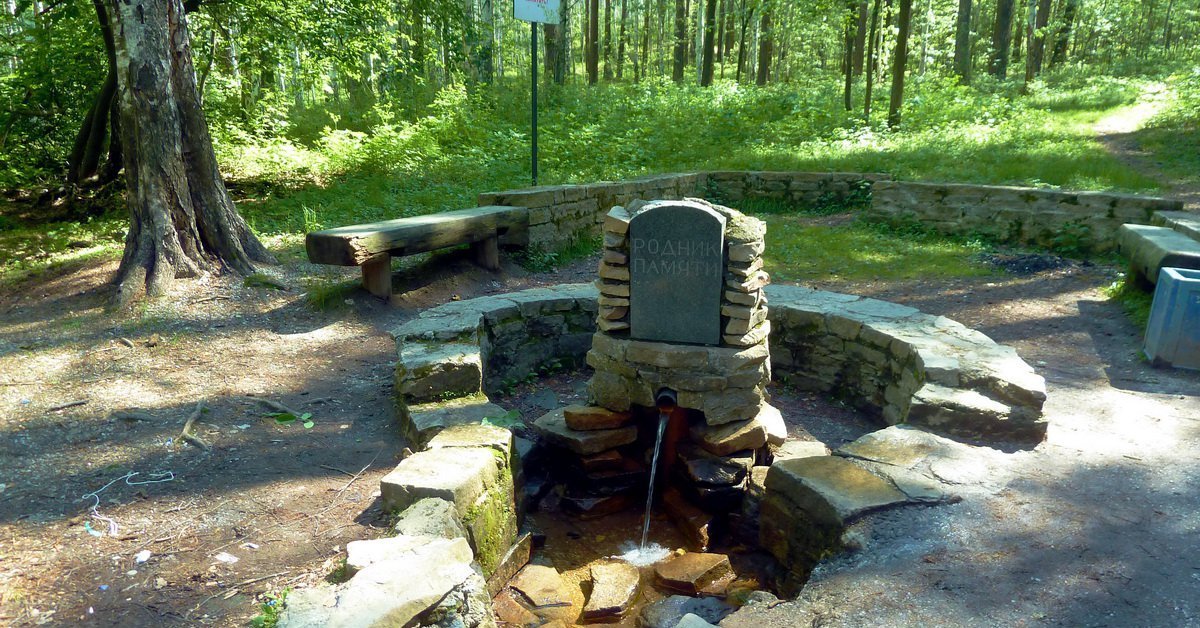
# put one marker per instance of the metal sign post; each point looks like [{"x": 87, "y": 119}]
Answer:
[{"x": 535, "y": 12}]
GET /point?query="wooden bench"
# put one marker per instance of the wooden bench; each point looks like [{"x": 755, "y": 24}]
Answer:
[
  {"x": 1150, "y": 248},
  {"x": 372, "y": 246}
]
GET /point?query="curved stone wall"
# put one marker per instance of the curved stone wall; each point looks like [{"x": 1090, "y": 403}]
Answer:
[{"x": 905, "y": 365}]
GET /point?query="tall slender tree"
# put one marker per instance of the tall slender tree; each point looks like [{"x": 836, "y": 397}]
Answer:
[
  {"x": 766, "y": 45},
  {"x": 710, "y": 34},
  {"x": 900, "y": 63},
  {"x": 680, "y": 53},
  {"x": 962, "y": 42},
  {"x": 1001, "y": 37}
]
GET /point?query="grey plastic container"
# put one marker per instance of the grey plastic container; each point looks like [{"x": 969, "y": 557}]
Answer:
[{"x": 1173, "y": 333}]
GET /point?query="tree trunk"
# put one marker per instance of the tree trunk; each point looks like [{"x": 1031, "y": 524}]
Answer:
[
  {"x": 1062, "y": 39},
  {"x": 962, "y": 42},
  {"x": 1037, "y": 41},
  {"x": 608, "y": 18},
  {"x": 710, "y": 35},
  {"x": 593, "y": 43},
  {"x": 903, "y": 26},
  {"x": 860, "y": 38},
  {"x": 872, "y": 42},
  {"x": 848, "y": 59},
  {"x": 741, "y": 58},
  {"x": 183, "y": 222},
  {"x": 1002, "y": 37},
  {"x": 621, "y": 37},
  {"x": 766, "y": 48},
  {"x": 680, "y": 56}
]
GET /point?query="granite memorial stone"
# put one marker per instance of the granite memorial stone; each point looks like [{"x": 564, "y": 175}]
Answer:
[{"x": 676, "y": 263}]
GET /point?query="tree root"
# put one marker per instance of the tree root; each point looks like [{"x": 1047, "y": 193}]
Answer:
[
  {"x": 274, "y": 406},
  {"x": 187, "y": 434}
]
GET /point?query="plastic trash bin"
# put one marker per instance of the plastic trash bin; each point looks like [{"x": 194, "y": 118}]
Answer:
[{"x": 1173, "y": 333}]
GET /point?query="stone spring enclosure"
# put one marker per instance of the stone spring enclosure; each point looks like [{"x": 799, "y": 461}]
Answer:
[{"x": 739, "y": 477}]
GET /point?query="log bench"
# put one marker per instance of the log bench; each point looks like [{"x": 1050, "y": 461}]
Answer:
[
  {"x": 371, "y": 246},
  {"x": 1150, "y": 248}
]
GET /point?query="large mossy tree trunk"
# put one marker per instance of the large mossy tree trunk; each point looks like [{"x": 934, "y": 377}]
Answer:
[{"x": 182, "y": 220}]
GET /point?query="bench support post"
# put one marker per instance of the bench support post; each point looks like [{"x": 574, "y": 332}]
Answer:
[
  {"x": 377, "y": 275},
  {"x": 487, "y": 252}
]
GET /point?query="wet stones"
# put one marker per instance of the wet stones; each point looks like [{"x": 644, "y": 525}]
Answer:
[
  {"x": 695, "y": 573},
  {"x": 668, "y": 612},
  {"x": 591, "y": 418},
  {"x": 614, "y": 588},
  {"x": 553, "y": 427},
  {"x": 550, "y": 596}
]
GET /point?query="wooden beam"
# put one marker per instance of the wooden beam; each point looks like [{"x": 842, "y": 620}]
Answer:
[{"x": 377, "y": 275}]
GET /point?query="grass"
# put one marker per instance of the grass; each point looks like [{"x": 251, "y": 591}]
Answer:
[
  {"x": 1135, "y": 301},
  {"x": 269, "y": 610},
  {"x": 464, "y": 144},
  {"x": 800, "y": 251}
]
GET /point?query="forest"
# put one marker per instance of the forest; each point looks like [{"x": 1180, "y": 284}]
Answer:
[{"x": 335, "y": 111}]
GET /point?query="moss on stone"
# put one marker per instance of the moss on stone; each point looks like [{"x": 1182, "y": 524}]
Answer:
[{"x": 492, "y": 521}]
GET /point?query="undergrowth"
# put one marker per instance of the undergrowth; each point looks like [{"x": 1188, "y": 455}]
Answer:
[
  {"x": 299, "y": 171},
  {"x": 1133, "y": 299}
]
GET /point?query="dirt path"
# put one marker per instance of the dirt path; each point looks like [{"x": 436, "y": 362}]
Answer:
[{"x": 1119, "y": 134}]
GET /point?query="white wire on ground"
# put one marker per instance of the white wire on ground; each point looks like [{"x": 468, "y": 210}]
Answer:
[{"x": 165, "y": 476}]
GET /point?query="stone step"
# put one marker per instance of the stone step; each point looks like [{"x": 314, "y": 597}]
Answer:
[
  {"x": 1151, "y": 248},
  {"x": 831, "y": 491},
  {"x": 552, "y": 427},
  {"x": 421, "y": 423},
  {"x": 1187, "y": 223}
]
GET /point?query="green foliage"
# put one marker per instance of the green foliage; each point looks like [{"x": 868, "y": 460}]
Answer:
[
  {"x": 1073, "y": 239},
  {"x": 269, "y": 609},
  {"x": 509, "y": 420},
  {"x": 1135, "y": 301},
  {"x": 326, "y": 294}
]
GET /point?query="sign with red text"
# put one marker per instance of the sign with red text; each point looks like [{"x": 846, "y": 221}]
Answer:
[{"x": 540, "y": 11}]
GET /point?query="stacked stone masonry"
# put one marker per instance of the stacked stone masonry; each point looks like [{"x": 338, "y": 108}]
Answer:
[
  {"x": 1084, "y": 220},
  {"x": 561, "y": 214},
  {"x": 908, "y": 366}
]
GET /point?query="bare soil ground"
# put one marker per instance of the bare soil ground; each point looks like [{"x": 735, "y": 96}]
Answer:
[
  {"x": 283, "y": 499},
  {"x": 1097, "y": 526}
]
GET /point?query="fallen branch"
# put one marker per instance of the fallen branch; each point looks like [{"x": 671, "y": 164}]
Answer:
[
  {"x": 273, "y": 405},
  {"x": 187, "y": 434},
  {"x": 260, "y": 578},
  {"x": 343, "y": 471},
  {"x": 64, "y": 406}
]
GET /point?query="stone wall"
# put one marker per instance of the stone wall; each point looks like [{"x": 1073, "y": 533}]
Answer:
[
  {"x": 1051, "y": 218},
  {"x": 905, "y": 365},
  {"x": 560, "y": 214}
]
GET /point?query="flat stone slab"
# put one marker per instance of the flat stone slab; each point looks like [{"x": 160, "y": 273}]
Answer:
[
  {"x": 427, "y": 371},
  {"x": 552, "y": 427},
  {"x": 800, "y": 449},
  {"x": 1151, "y": 248},
  {"x": 900, "y": 445},
  {"x": 420, "y": 423},
  {"x": 492, "y": 437},
  {"x": 695, "y": 524},
  {"x": 591, "y": 418},
  {"x": 363, "y": 554},
  {"x": 830, "y": 490},
  {"x": 614, "y": 587},
  {"x": 459, "y": 476},
  {"x": 550, "y": 596},
  {"x": 694, "y": 573},
  {"x": 772, "y": 421},
  {"x": 726, "y": 439},
  {"x": 385, "y": 593},
  {"x": 430, "y": 517}
]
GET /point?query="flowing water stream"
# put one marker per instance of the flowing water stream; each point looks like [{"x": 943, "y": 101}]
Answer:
[{"x": 663, "y": 417}]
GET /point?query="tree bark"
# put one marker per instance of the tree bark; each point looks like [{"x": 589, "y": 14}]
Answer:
[
  {"x": 766, "y": 48},
  {"x": 962, "y": 42},
  {"x": 593, "y": 43},
  {"x": 848, "y": 58},
  {"x": 903, "y": 26},
  {"x": 710, "y": 34},
  {"x": 1062, "y": 39},
  {"x": 608, "y": 18},
  {"x": 1037, "y": 41},
  {"x": 621, "y": 39},
  {"x": 1001, "y": 38},
  {"x": 182, "y": 220},
  {"x": 860, "y": 37},
  {"x": 872, "y": 38},
  {"x": 680, "y": 52}
]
